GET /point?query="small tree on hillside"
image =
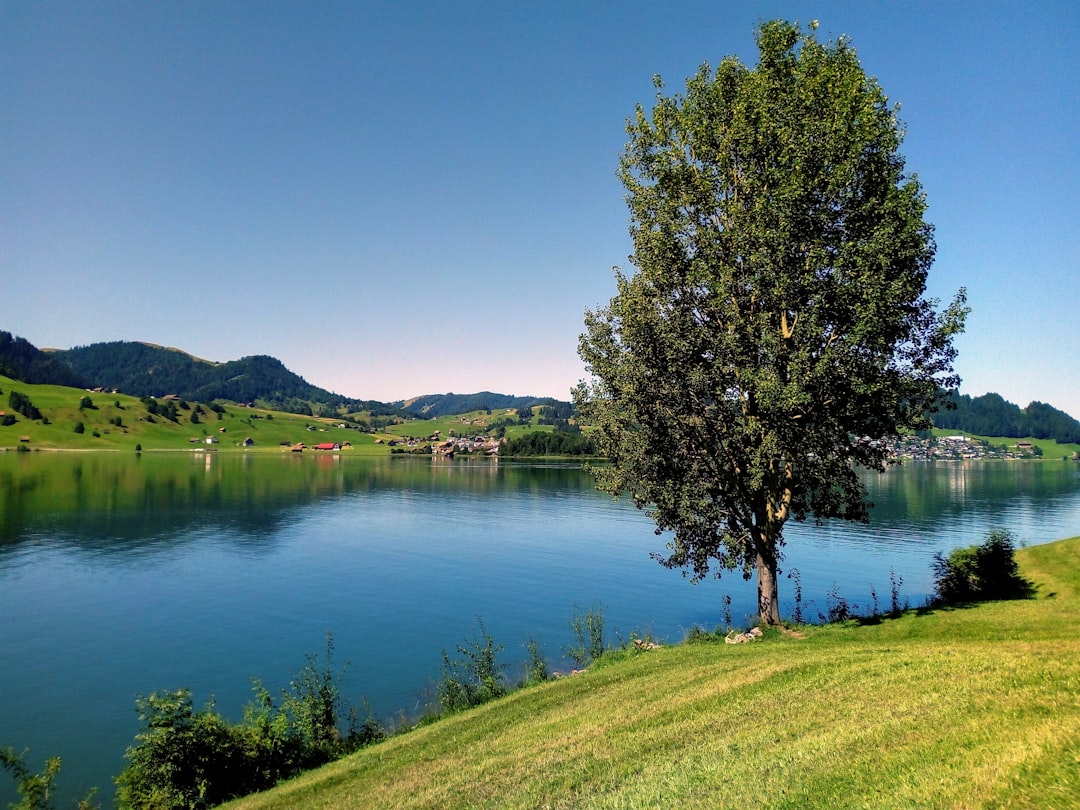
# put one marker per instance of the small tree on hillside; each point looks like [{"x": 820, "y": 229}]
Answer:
[{"x": 775, "y": 331}]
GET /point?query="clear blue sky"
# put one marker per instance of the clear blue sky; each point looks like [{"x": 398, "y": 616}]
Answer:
[{"x": 397, "y": 198}]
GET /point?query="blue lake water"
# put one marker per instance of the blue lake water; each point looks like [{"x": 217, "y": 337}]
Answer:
[{"x": 120, "y": 576}]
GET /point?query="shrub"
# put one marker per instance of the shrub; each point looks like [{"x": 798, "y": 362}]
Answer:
[
  {"x": 182, "y": 758},
  {"x": 34, "y": 788},
  {"x": 185, "y": 758},
  {"x": 981, "y": 572},
  {"x": 536, "y": 668},
  {"x": 20, "y": 403},
  {"x": 588, "y": 629},
  {"x": 80, "y": 428},
  {"x": 476, "y": 677}
]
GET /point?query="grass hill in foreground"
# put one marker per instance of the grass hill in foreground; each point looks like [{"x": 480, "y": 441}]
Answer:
[{"x": 969, "y": 707}]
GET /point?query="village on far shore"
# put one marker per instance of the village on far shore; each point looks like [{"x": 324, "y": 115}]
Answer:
[{"x": 959, "y": 446}]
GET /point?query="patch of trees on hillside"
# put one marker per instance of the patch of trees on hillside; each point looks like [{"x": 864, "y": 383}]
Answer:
[
  {"x": 553, "y": 443},
  {"x": 25, "y": 362},
  {"x": 145, "y": 370},
  {"x": 432, "y": 406},
  {"x": 993, "y": 415}
]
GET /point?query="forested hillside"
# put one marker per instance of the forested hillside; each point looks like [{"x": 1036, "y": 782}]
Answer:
[
  {"x": 23, "y": 361},
  {"x": 142, "y": 369},
  {"x": 431, "y": 406},
  {"x": 992, "y": 415}
]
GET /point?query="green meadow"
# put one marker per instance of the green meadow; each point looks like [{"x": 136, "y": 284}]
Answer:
[
  {"x": 121, "y": 423},
  {"x": 935, "y": 708},
  {"x": 1051, "y": 449}
]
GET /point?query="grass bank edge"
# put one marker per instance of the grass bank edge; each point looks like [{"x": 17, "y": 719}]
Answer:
[{"x": 937, "y": 707}]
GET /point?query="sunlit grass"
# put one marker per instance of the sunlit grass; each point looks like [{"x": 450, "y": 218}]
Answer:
[{"x": 976, "y": 707}]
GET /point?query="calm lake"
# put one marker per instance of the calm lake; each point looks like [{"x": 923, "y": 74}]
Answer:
[{"x": 121, "y": 575}]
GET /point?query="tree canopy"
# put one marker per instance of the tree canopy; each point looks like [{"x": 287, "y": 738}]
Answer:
[{"x": 776, "y": 328}]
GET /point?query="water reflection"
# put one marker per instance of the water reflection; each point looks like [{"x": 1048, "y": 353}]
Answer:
[
  {"x": 122, "y": 574},
  {"x": 108, "y": 503}
]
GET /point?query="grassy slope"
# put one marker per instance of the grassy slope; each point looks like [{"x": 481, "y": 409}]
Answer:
[
  {"x": 1051, "y": 448},
  {"x": 60, "y": 406},
  {"x": 976, "y": 707}
]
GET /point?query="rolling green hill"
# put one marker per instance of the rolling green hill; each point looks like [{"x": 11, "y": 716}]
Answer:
[
  {"x": 943, "y": 708},
  {"x": 432, "y": 406},
  {"x": 992, "y": 415},
  {"x": 143, "y": 369},
  {"x": 23, "y": 361},
  {"x": 74, "y": 419}
]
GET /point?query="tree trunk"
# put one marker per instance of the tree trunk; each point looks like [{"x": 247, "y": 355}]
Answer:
[{"x": 768, "y": 594}]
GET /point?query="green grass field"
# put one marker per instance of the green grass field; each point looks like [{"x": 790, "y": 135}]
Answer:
[
  {"x": 943, "y": 708},
  {"x": 60, "y": 407},
  {"x": 1051, "y": 449},
  {"x": 267, "y": 429}
]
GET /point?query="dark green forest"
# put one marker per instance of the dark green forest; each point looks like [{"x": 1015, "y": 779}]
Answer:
[
  {"x": 145, "y": 370},
  {"x": 25, "y": 362},
  {"x": 432, "y": 406},
  {"x": 993, "y": 415},
  {"x": 554, "y": 443}
]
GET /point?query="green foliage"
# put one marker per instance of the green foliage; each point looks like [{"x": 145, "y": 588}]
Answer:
[
  {"x": 34, "y": 788},
  {"x": 476, "y": 676},
  {"x": 85, "y": 402},
  {"x": 182, "y": 758},
  {"x": 144, "y": 370},
  {"x": 549, "y": 443},
  {"x": 185, "y": 758},
  {"x": 588, "y": 630},
  {"x": 80, "y": 428},
  {"x": 7, "y": 420},
  {"x": 776, "y": 325},
  {"x": 432, "y": 406},
  {"x": 21, "y": 360},
  {"x": 21, "y": 404},
  {"x": 992, "y": 415},
  {"x": 981, "y": 572},
  {"x": 536, "y": 668}
]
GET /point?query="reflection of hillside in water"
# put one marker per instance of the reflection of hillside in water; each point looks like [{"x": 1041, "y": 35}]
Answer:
[
  {"x": 108, "y": 503},
  {"x": 922, "y": 492}
]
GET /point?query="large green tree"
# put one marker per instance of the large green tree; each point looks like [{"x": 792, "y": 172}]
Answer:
[{"x": 776, "y": 330}]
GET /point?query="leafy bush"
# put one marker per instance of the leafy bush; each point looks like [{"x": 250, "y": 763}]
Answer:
[
  {"x": 536, "y": 668},
  {"x": 476, "y": 677},
  {"x": 185, "y": 758},
  {"x": 20, "y": 403},
  {"x": 986, "y": 571},
  {"x": 588, "y": 629},
  {"x": 34, "y": 788}
]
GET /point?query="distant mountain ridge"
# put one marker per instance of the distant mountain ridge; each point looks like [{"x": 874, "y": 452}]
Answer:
[
  {"x": 432, "y": 406},
  {"x": 993, "y": 415},
  {"x": 146, "y": 369},
  {"x": 23, "y": 361}
]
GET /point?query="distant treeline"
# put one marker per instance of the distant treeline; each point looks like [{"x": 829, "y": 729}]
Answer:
[
  {"x": 23, "y": 361},
  {"x": 992, "y": 415},
  {"x": 432, "y": 406},
  {"x": 554, "y": 443},
  {"x": 143, "y": 370}
]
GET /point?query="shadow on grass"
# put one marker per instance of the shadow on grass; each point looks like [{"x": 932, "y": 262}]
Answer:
[{"x": 1016, "y": 589}]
